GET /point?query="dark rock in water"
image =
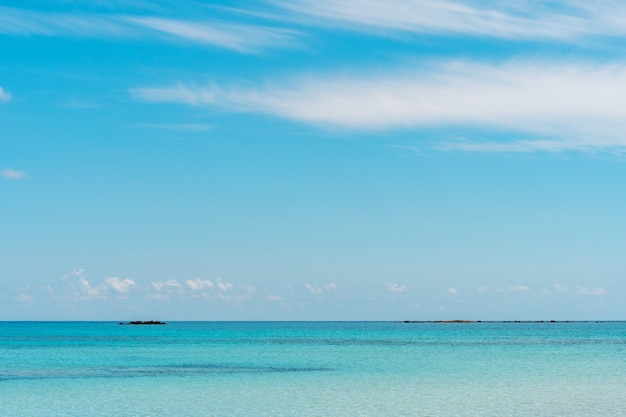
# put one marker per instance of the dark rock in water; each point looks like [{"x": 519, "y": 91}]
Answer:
[
  {"x": 454, "y": 321},
  {"x": 145, "y": 322}
]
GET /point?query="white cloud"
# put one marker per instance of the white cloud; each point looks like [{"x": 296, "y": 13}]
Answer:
[
  {"x": 120, "y": 285},
  {"x": 199, "y": 284},
  {"x": 27, "y": 22},
  {"x": 522, "y": 19},
  {"x": 453, "y": 291},
  {"x": 395, "y": 287},
  {"x": 313, "y": 290},
  {"x": 329, "y": 286},
  {"x": 179, "y": 93},
  {"x": 318, "y": 290},
  {"x": 273, "y": 297},
  {"x": 180, "y": 127},
  {"x": 248, "y": 289},
  {"x": 560, "y": 106},
  {"x": 483, "y": 288},
  {"x": 5, "y": 95},
  {"x": 223, "y": 286},
  {"x": 24, "y": 298},
  {"x": 518, "y": 288},
  {"x": 233, "y": 298},
  {"x": 243, "y": 38},
  {"x": 166, "y": 285},
  {"x": 88, "y": 291},
  {"x": 239, "y": 37},
  {"x": 591, "y": 291},
  {"x": 559, "y": 287},
  {"x": 77, "y": 272},
  {"x": 12, "y": 174}
]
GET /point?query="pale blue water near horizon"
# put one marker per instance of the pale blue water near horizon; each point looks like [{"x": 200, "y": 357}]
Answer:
[{"x": 312, "y": 369}]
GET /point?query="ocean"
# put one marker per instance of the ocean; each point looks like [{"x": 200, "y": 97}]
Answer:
[{"x": 324, "y": 369}]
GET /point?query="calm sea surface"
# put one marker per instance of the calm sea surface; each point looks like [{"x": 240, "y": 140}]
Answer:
[{"x": 312, "y": 369}]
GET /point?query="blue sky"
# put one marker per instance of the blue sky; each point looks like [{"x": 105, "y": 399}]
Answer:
[{"x": 312, "y": 160}]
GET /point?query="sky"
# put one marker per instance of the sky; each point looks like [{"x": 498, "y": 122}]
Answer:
[{"x": 312, "y": 160}]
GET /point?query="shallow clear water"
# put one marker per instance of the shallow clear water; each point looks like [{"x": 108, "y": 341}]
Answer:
[{"x": 312, "y": 369}]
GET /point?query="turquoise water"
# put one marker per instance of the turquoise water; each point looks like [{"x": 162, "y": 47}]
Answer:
[{"x": 312, "y": 369}]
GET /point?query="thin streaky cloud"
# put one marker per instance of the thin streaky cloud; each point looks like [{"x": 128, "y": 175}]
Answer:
[
  {"x": 21, "y": 22},
  {"x": 181, "y": 127},
  {"x": 557, "y": 20},
  {"x": 179, "y": 93},
  {"x": 243, "y": 38},
  {"x": 561, "y": 105},
  {"x": 235, "y": 36}
]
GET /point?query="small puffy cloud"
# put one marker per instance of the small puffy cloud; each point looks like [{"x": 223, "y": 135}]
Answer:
[
  {"x": 546, "y": 291},
  {"x": 273, "y": 297},
  {"x": 87, "y": 290},
  {"x": 235, "y": 299},
  {"x": 453, "y": 291},
  {"x": 199, "y": 284},
  {"x": 482, "y": 288},
  {"x": 12, "y": 174},
  {"x": 591, "y": 291},
  {"x": 395, "y": 287},
  {"x": 5, "y": 95},
  {"x": 223, "y": 286},
  {"x": 313, "y": 290},
  {"x": 24, "y": 298},
  {"x": 77, "y": 272},
  {"x": 559, "y": 287},
  {"x": 120, "y": 285},
  {"x": 518, "y": 288},
  {"x": 318, "y": 290},
  {"x": 248, "y": 289},
  {"x": 166, "y": 285}
]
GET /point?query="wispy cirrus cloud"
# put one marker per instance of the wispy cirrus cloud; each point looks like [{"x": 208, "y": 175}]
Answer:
[
  {"x": 176, "y": 127},
  {"x": 13, "y": 174},
  {"x": 241, "y": 37},
  {"x": 557, "y": 20},
  {"x": 555, "y": 106}
]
